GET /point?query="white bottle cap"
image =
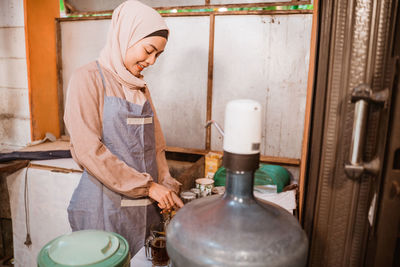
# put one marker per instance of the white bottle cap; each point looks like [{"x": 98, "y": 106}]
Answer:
[{"x": 242, "y": 127}]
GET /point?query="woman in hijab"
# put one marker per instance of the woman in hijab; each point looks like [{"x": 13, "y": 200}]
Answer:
[{"x": 115, "y": 133}]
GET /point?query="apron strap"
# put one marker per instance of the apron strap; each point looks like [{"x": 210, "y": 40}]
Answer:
[{"x": 102, "y": 77}]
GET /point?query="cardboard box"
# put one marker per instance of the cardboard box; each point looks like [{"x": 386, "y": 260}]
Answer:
[{"x": 212, "y": 162}]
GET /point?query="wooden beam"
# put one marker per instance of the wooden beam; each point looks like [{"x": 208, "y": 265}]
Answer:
[
  {"x": 263, "y": 158},
  {"x": 12, "y": 166},
  {"x": 210, "y": 79},
  {"x": 186, "y": 150},
  {"x": 40, "y": 41},
  {"x": 280, "y": 160},
  {"x": 83, "y": 18},
  {"x": 307, "y": 118},
  {"x": 53, "y": 168},
  {"x": 272, "y": 159},
  {"x": 60, "y": 90}
]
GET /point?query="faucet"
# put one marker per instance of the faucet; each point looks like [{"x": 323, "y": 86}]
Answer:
[{"x": 216, "y": 126}]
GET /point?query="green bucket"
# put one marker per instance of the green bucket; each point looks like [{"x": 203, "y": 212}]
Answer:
[
  {"x": 267, "y": 174},
  {"x": 89, "y": 248}
]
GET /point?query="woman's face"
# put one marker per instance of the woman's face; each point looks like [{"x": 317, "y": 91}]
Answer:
[{"x": 144, "y": 53}]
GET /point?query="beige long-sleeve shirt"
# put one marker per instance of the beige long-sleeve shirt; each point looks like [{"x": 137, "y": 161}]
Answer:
[{"x": 83, "y": 119}]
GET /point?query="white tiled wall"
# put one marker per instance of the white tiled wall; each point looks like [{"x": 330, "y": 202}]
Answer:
[
  {"x": 11, "y": 13},
  {"x": 14, "y": 101}
]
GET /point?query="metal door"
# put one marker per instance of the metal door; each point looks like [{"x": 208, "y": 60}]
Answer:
[
  {"x": 384, "y": 238},
  {"x": 349, "y": 132}
]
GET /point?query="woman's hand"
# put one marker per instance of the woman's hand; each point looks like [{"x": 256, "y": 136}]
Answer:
[
  {"x": 165, "y": 197},
  {"x": 168, "y": 181}
]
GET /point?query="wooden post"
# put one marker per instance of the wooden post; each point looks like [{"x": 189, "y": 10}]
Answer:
[
  {"x": 40, "y": 41},
  {"x": 310, "y": 87},
  {"x": 210, "y": 79}
]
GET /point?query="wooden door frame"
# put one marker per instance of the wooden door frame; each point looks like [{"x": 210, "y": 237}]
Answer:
[{"x": 40, "y": 45}]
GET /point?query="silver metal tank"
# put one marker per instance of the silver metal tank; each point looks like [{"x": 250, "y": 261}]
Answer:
[{"x": 236, "y": 229}]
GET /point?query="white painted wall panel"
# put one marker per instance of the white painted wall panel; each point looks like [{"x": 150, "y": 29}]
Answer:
[
  {"x": 178, "y": 82},
  {"x": 264, "y": 58},
  {"x": 12, "y": 42},
  {"x": 14, "y": 102},
  {"x": 81, "y": 43},
  {"x": 13, "y": 73},
  {"x": 11, "y": 13}
]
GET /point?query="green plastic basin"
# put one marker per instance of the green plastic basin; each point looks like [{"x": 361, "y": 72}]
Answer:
[
  {"x": 92, "y": 248},
  {"x": 267, "y": 174}
]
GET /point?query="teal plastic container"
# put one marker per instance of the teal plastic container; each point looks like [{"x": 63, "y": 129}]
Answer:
[
  {"x": 89, "y": 248},
  {"x": 267, "y": 174}
]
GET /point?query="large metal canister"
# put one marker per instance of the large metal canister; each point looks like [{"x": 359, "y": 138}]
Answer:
[{"x": 235, "y": 229}]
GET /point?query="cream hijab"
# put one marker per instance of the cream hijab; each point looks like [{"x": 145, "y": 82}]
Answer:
[{"x": 131, "y": 21}]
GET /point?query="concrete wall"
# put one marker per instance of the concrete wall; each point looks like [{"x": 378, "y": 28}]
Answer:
[{"x": 14, "y": 101}]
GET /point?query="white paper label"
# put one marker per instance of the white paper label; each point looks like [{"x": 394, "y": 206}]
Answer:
[
  {"x": 136, "y": 202},
  {"x": 139, "y": 121}
]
